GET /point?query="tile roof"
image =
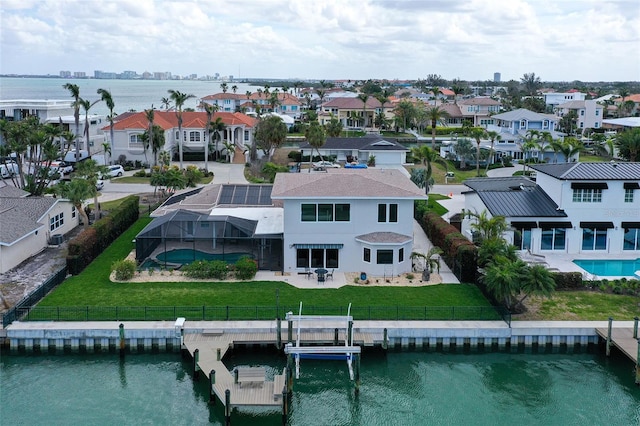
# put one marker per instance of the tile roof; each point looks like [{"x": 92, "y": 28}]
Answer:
[
  {"x": 514, "y": 197},
  {"x": 20, "y": 216},
  {"x": 353, "y": 103},
  {"x": 479, "y": 100},
  {"x": 591, "y": 171},
  {"x": 346, "y": 183},
  {"x": 384, "y": 238},
  {"x": 369, "y": 143},
  {"x": 190, "y": 119}
]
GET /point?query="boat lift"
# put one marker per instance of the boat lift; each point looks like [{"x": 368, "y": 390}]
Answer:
[{"x": 348, "y": 351}]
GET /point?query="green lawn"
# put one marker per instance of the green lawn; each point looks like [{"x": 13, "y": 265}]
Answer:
[
  {"x": 583, "y": 306},
  {"x": 93, "y": 288}
]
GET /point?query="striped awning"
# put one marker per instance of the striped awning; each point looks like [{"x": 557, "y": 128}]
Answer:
[{"x": 318, "y": 246}]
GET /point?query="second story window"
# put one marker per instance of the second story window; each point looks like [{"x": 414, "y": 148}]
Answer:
[
  {"x": 325, "y": 212},
  {"x": 628, "y": 195},
  {"x": 387, "y": 213},
  {"x": 587, "y": 195}
]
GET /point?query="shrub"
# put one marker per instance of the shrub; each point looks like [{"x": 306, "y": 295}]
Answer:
[
  {"x": 410, "y": 276},
  {"x": 567, "y": 280},
  {"x": 245, "y": 268},
  {"x": 216, "y": 269},
  {"x": 124, "y": 269},
  {"x": 140, "y": 173}
]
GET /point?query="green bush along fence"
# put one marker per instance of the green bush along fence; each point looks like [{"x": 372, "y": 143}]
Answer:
[{"x": 237, "y": 313}]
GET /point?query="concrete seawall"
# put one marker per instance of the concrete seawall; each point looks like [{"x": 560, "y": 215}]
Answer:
[{"x": 143, "y": 336}]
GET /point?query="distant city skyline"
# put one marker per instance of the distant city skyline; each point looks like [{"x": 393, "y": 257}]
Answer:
[{"x": 590, "y": 40}]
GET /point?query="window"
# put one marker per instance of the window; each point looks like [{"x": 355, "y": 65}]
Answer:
[
  {"x": 522, "y": 239},
  {"x": 308, "y": 212},
  {"x": 135, "y": 140},
  {"x": 597, "y": 112},
  {"x": 194, "y": 136},
  {"x": 545, "y": 124},
  {"x": 56, "y": 222},
  {"x": 331, "y": 258},
  {"x": 316, "y": 258},
  {"x": 325, "y": 212},
  {"x": 401, "y": 255},
  {"x": 523, "y": 124},
  {"x": 594, "y": 239},
  {"x": 246, "y": 135},
  {"x": 392, "y": 211},
  {"x": 628, "y": 195},
  {"x": 581, "y": 112},
  {"x": 552, "y": 239},
  {"x": 384, "y": 257},
  {"x": 366, "y": 256},
  {"x": 596, "y": 125},
  {"x": 587, "y": 195},
  {"x": 73, "y": 212},
  {"x": 631, "y": 239},
  {"x": 302, "y": 258}
]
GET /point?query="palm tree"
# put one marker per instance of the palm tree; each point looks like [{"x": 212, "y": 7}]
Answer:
[
  {"x": 431, "y": 260},
  {"x": 86, "y": 105},
  {"x": 531, "y": 83},
  {"x": 435, "y": 115},
  {"x": 487, "y": 228},
  {"x": 270, "y": 133},
  {"x": 503, "y": 277},
  {"x": 602, "y": 145},
  {"x": 179, "y": 99},
  {"x": 364, "y": 98},
  {"x": 333, "y": 127},
  {"x": 224, "y": 87},
  {"x": 166, "y": 103},
  {"x": 435, "y": 90},
  {"x": 77, "y": 191},
  {"x": 457, "y": 90},
  {"x": 216, "y": 127},
  {"x": 90, "y": 172},
  {"x": 75, "y": 94},
  {"x": 154, "y": 140},
  {"x": 106, "y": 97},
  {"x": 571, "y": 147},
  {"x": 321, "y": 94},
  {"x": 493, "y": 137},
  {"x": 464, "y": 151},
  {"x": 234, "y": 88},
  {"x": 106, "y": 148},
  {"x": 210, "y": 110},
  {"x": 229, "y": 146},
  {"x": 150, "y": 114},
  {"x": 423, "y": 178},
  {"x": 478, "y": 134},
  {"x": 628, "y": 144},
  {"x": 316, "y": 137}
]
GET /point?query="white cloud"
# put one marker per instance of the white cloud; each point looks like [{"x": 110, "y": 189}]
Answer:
[{"x": 325, "y": 39}]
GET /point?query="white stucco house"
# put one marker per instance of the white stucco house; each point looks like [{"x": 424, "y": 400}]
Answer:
[
  {"x": 572, "y": 208},
  {"x": 347, "y": 220},
  {"x": 589, "y": 113},
  {"x": 129, "y": 128},
  {"x": 28, "y": 224},
  {"x": 386, "y": 152}
]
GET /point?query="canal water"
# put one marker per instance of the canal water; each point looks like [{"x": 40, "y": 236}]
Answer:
[{"x": 399, "y": 388}]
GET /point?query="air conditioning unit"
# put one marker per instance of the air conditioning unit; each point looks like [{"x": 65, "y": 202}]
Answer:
[{"x": 57, "y": 239}]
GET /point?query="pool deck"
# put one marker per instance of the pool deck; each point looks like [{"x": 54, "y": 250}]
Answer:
[{"x": 563, "y": 262}]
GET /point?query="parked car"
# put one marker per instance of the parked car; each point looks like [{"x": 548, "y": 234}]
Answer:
[
  {"x": 326, "y": 164},
  {"x": 8, "y": 169},
  {"x": 99, "y": 185},
  {"x": 115, "y": 171}
]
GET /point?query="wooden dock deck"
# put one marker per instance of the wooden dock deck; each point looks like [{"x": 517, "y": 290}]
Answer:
[
  {"x": 622, "y": 338},
  {"x": 264, "y": 394}
]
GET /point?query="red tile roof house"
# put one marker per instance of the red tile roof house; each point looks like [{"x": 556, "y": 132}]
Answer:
[
  {"x": 128, "y": 133},
  {"x": 287, "y": 104},
  {"x": 350, "y": 111}
]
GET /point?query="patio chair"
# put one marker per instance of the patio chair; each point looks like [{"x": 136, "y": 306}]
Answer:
[
  {"x": 330, "y": 274},
  {"x": 308, "y": 272}
]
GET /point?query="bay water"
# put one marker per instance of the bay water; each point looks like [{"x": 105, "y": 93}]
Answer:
[
  {"x": 128, "y": 95},
  {"x": 398, "y": 388}
]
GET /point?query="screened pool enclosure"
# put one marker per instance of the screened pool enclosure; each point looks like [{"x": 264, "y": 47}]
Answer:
[{"x": 183, "y": 236}]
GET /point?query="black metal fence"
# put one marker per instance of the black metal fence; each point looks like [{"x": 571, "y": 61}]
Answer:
[
  {"x": 17, "y": 311},
  {"x": 238, "y": 313}
]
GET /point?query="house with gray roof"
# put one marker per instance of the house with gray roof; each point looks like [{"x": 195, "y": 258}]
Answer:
[
  {"x": 28, "y": 225},
  {"x": 348, "y": 220},
  {"x": 573, "y": 208},
  {"x": 386, "y": 152}
]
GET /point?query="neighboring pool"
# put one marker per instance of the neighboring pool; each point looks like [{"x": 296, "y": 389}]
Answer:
[
  {"x": 610, "y": 268},
  {"x": 186, "y": 256}
]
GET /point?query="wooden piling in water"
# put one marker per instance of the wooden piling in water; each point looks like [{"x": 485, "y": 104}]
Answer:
[
  {"x": 335, "y": 337},
  {"x": 289, "y": 373},
  {"x": 350, "y": 333},
  {"x": 212, "y": 381},
  {"x": 227, "y": 407},
  {"x": 290, "y": 331},
  {"x": 357, "y": 373},
  {"x": 608, "y": 349},
  {"x": 285, "y": 405},
  {"x": 196, "y": 358},
  {"x": 385, "y": 339},
  {"x": 635, "y": 328},
  {"x": 122, "y": 342},
  {"x": 278, "y": 333}
]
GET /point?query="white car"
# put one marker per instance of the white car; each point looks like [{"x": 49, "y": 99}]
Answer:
[
  {"x": 99, "y": 185},
  {"x": 115, "y": 171},
  {"x": 326, "y": 164}
]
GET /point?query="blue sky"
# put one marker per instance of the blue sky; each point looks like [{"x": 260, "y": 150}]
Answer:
[{"x": 560, "y": 40}]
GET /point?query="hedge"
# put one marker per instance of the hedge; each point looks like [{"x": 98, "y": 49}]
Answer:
[{"x": 95, "y": 238}]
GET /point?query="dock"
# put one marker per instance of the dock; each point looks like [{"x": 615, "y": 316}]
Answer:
[{"x": 622, "y": 338}]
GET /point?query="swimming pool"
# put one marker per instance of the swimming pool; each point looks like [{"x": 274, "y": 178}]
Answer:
[
  {"x": 186, "y": 256},
  {"x": 610, "y": 268}
]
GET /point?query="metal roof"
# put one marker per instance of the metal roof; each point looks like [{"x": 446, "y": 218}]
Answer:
[{"x": 591, "y": 171}]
